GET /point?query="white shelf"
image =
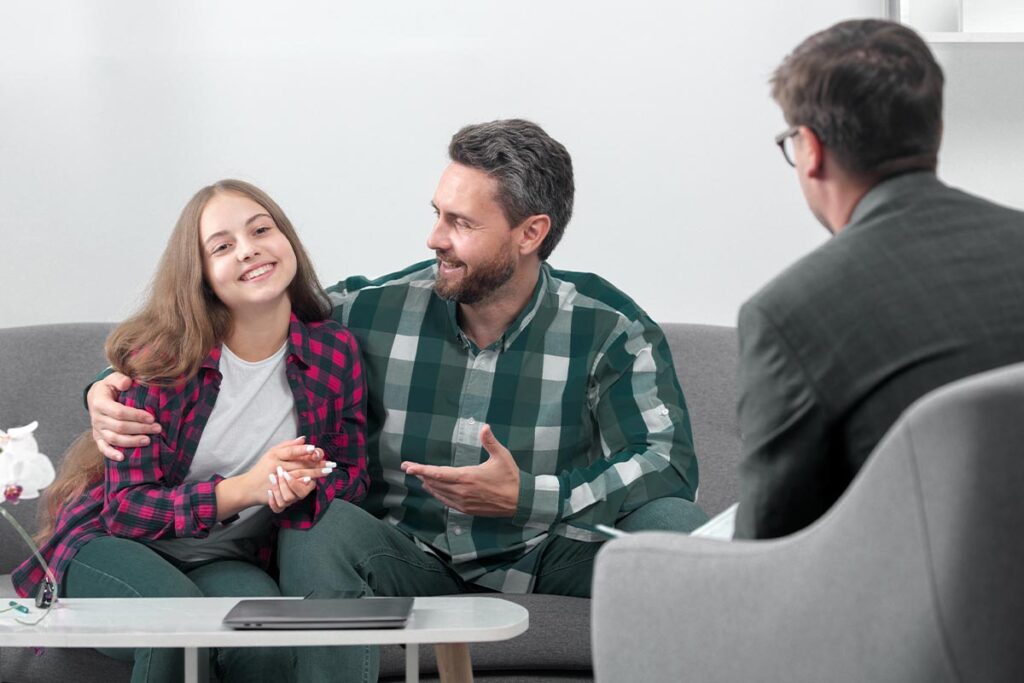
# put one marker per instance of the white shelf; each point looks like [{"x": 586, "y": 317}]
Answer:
[
  {"x": 892, "y": 10},
  {"x": 964, "y": 37}
]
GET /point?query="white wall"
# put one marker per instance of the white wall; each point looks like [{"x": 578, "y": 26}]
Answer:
[{"x": 113, "y": 114}]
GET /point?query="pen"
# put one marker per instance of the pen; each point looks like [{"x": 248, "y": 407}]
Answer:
[
  {"x": 20, "y": 608},
  {"x": 610, "y": 531}
]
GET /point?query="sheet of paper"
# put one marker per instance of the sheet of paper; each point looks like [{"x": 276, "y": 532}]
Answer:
[{"x": 720, "y": 527}]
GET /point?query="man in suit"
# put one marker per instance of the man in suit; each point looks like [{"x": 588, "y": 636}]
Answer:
[{"x": 920, "y": 285}]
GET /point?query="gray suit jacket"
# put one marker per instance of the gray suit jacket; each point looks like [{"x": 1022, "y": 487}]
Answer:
[{"x": 924, "y": 286}]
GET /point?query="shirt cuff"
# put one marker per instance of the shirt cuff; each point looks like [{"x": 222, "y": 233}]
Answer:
[
  {"x": 540, "y": 500},
  {"x": 195, "y": 508}
]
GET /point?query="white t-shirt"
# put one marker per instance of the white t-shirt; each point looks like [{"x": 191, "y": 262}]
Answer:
[{"x": 254, "y": 411}]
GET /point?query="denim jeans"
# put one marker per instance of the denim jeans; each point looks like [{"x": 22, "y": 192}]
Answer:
[
  {"x": 109, "y": 567},
  {"x": 351, "y": 552}
]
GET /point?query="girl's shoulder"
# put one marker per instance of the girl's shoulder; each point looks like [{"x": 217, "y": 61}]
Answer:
[
  {"x": 162, "y": 397},
  {"x": 332, "y": 334},
  {"x": 330, "y": 355}
]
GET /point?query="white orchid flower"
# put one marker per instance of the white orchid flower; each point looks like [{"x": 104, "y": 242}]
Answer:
[{"x": 24, "y": 471}]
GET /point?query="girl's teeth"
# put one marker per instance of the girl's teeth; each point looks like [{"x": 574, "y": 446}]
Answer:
[{"x": 256, "y": 273}]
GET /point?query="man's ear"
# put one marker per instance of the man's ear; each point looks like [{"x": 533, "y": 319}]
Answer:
[
  {"x": 535, "y": 230},
  {"x": 813, "y": 153}
]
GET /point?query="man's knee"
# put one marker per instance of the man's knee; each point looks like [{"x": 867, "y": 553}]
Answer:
[
  {"x": 342, "y": 525},
  {"x": 326, "y": 555},
  {"x": 664, "y": 514}
]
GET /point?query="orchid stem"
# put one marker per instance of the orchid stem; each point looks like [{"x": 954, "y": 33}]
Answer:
[{"x": 35, "y": 550}]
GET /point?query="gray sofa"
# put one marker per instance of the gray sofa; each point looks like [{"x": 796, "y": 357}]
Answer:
[
  {"x": 44, "y": 368},
  {"x": 914, "y": 575}
]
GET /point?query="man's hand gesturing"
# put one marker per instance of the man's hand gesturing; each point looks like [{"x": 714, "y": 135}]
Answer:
[{"x": 490, "y": 489}]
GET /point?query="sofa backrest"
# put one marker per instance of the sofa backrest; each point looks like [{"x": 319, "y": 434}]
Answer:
[
  {"x": 705, "y": 357},
  {"x": 44, "y": 368}
]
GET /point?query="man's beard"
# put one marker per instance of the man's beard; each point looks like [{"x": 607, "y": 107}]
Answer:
[{"x": 477, "y": 284}]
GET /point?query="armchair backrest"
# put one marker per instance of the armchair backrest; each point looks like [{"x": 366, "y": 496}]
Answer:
[{"x": 915, "y": 574}]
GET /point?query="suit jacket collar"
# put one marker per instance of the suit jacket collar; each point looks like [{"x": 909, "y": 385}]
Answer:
[{"x": 890, "y": 190}]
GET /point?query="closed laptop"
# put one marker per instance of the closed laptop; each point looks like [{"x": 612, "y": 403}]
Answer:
[{"x": 320, "y": 613}]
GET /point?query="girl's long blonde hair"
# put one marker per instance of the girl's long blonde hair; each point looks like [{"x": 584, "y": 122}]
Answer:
[{"x": 173, "y": 332}]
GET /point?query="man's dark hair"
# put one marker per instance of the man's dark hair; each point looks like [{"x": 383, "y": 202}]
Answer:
[
  {"x": 871, "y": 91},
  {"x": 533, "y": 170}
]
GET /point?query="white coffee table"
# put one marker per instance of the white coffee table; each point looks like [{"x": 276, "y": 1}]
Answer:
[{"x": 195, "y": 625}]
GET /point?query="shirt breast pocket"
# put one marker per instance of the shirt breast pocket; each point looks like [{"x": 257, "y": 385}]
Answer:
[{"x": 317, "y": 415}]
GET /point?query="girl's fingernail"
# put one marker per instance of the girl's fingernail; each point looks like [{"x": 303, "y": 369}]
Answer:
[
  {"x": 273, "y": 480},
  {"x": 287, "y": 476},
  {"x": 328, "y": 463},
  {"x": 270, "y": 495},
  {"x": 305, "y": 480},
  {"x": 327, "y": 470},
  {"x": 310, "y": 448}
]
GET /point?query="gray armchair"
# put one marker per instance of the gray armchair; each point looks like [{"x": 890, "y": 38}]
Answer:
[{"x": 916, "y": 574}]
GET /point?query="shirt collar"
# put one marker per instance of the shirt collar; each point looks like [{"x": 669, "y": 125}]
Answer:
[
  {"x": 888, "y": 190},
  {"x": 212, "y": 361},
  {"x": 298, "y": 341},
  {"x": 517, "y": 326}
]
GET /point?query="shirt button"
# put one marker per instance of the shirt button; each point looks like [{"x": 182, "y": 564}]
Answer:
[
  {"x": 457, "y": 530},
  {"x": 471, "y": 421},
  {"x": 664, "y": 411}
]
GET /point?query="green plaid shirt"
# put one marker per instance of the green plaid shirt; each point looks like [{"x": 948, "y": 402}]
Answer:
[{"x": 580, "y": 388}]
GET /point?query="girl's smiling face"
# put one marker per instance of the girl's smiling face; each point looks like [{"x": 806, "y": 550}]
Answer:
[{"x": 247, "y": 261}]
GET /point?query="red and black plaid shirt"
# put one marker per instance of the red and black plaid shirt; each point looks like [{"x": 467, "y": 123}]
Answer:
[{"x": 145, "y": 497}]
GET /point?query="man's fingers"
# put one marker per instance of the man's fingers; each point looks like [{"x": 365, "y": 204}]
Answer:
[
  {"x": 437, "y": 489},
  {"x": 117, "y": 417},
  {"x": 130, "y": 428},
  {"x": 446, "y": 474},
  {"x": 107, "y": 450},
  {"x": 493, "y": 447},
  {"x": 118, "y": 381},
  {"x": 445, "y": 500},
  {"x": 487, "y": 436},
  {"x": 122, "y": 413},
  {"x": 120, "y": 441}
]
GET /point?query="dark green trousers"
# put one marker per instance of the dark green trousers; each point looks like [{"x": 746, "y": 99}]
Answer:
[{"x": 109, "y": 567}]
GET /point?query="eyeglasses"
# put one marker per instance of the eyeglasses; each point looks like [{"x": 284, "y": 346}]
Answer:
[{"x": 785, "y": 142}]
